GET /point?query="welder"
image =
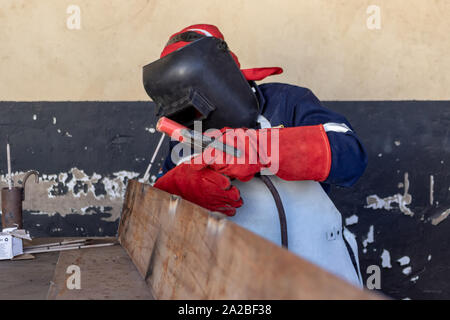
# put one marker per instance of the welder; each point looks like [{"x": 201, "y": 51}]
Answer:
[{"x": 285, "y": 134}]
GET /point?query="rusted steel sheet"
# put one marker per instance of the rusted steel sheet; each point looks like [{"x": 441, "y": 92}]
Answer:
[{"x": 185, "y": 252}]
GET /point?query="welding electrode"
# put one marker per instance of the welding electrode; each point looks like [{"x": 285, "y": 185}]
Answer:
[
  {"x": 8, "y": 156},
  {"x": 147, "y": 172}
]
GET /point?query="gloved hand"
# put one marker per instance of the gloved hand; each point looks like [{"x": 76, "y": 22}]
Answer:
[
  {"x": 205, "y": 187},
  {"x": 296, "y": 153},
  {"x": 243, "y": 168}
]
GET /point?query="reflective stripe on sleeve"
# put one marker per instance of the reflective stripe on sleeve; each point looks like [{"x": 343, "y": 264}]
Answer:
[{"x": 336, "y": 127}]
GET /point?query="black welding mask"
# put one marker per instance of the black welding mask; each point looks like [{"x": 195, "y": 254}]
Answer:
[{"x": 201, "y": 81}]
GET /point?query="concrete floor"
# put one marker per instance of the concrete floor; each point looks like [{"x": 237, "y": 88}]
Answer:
[
  {"x": 27, "y": 279},
  {"x": 106, "y": 273}
]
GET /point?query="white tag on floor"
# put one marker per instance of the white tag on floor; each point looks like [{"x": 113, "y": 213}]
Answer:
[{"x": 6, "y": 247}]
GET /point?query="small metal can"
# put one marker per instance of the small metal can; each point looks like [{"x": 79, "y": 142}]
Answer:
[
  {"x": 12, "y": 203},
  {"x": 12, "y": 207}
]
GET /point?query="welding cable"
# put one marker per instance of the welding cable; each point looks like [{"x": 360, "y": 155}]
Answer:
[{"x": 280, "y": 208}]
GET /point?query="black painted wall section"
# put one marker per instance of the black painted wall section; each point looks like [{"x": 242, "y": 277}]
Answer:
[
  {"x": 413, "y": 138},
  {"x": 400, "y": 137}
]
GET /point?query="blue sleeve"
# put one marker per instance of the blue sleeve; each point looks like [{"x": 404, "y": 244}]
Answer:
[
  {"x": 168, "y": 163},
  {"x": 349, "y": 158}
]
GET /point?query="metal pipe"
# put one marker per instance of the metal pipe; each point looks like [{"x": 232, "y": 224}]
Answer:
[{"x": 63, "y": 243}]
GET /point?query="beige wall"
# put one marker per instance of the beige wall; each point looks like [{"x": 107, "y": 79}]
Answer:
[{"x": 321, "y": 44}]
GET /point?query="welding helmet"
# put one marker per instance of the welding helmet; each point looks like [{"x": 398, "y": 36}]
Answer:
[{"x": 201, "y": 81}]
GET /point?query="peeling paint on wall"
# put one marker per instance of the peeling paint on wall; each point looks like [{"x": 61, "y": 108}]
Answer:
[
  {"x": 407, "y": 270},
  {"x": 375, "y": 202},
  {"x": 386, "y": 259},
  {"x": 403, "y": 261},
  {"x": 351, "y": 220},
  {"x": 441, "y": 217},
  {"x": 369, "y": 238},
  {"x": 75, "y": 192}
]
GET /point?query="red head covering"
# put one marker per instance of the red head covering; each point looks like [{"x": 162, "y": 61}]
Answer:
[{"x": 212, "y": 31}]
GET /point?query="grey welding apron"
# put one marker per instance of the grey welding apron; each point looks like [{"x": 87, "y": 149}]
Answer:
[{"x": 315, "y": 230}]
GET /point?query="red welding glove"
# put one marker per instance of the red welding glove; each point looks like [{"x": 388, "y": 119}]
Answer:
[
  {"x": 296, "y": 153},
  {"x": 205, "y": 187}
]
